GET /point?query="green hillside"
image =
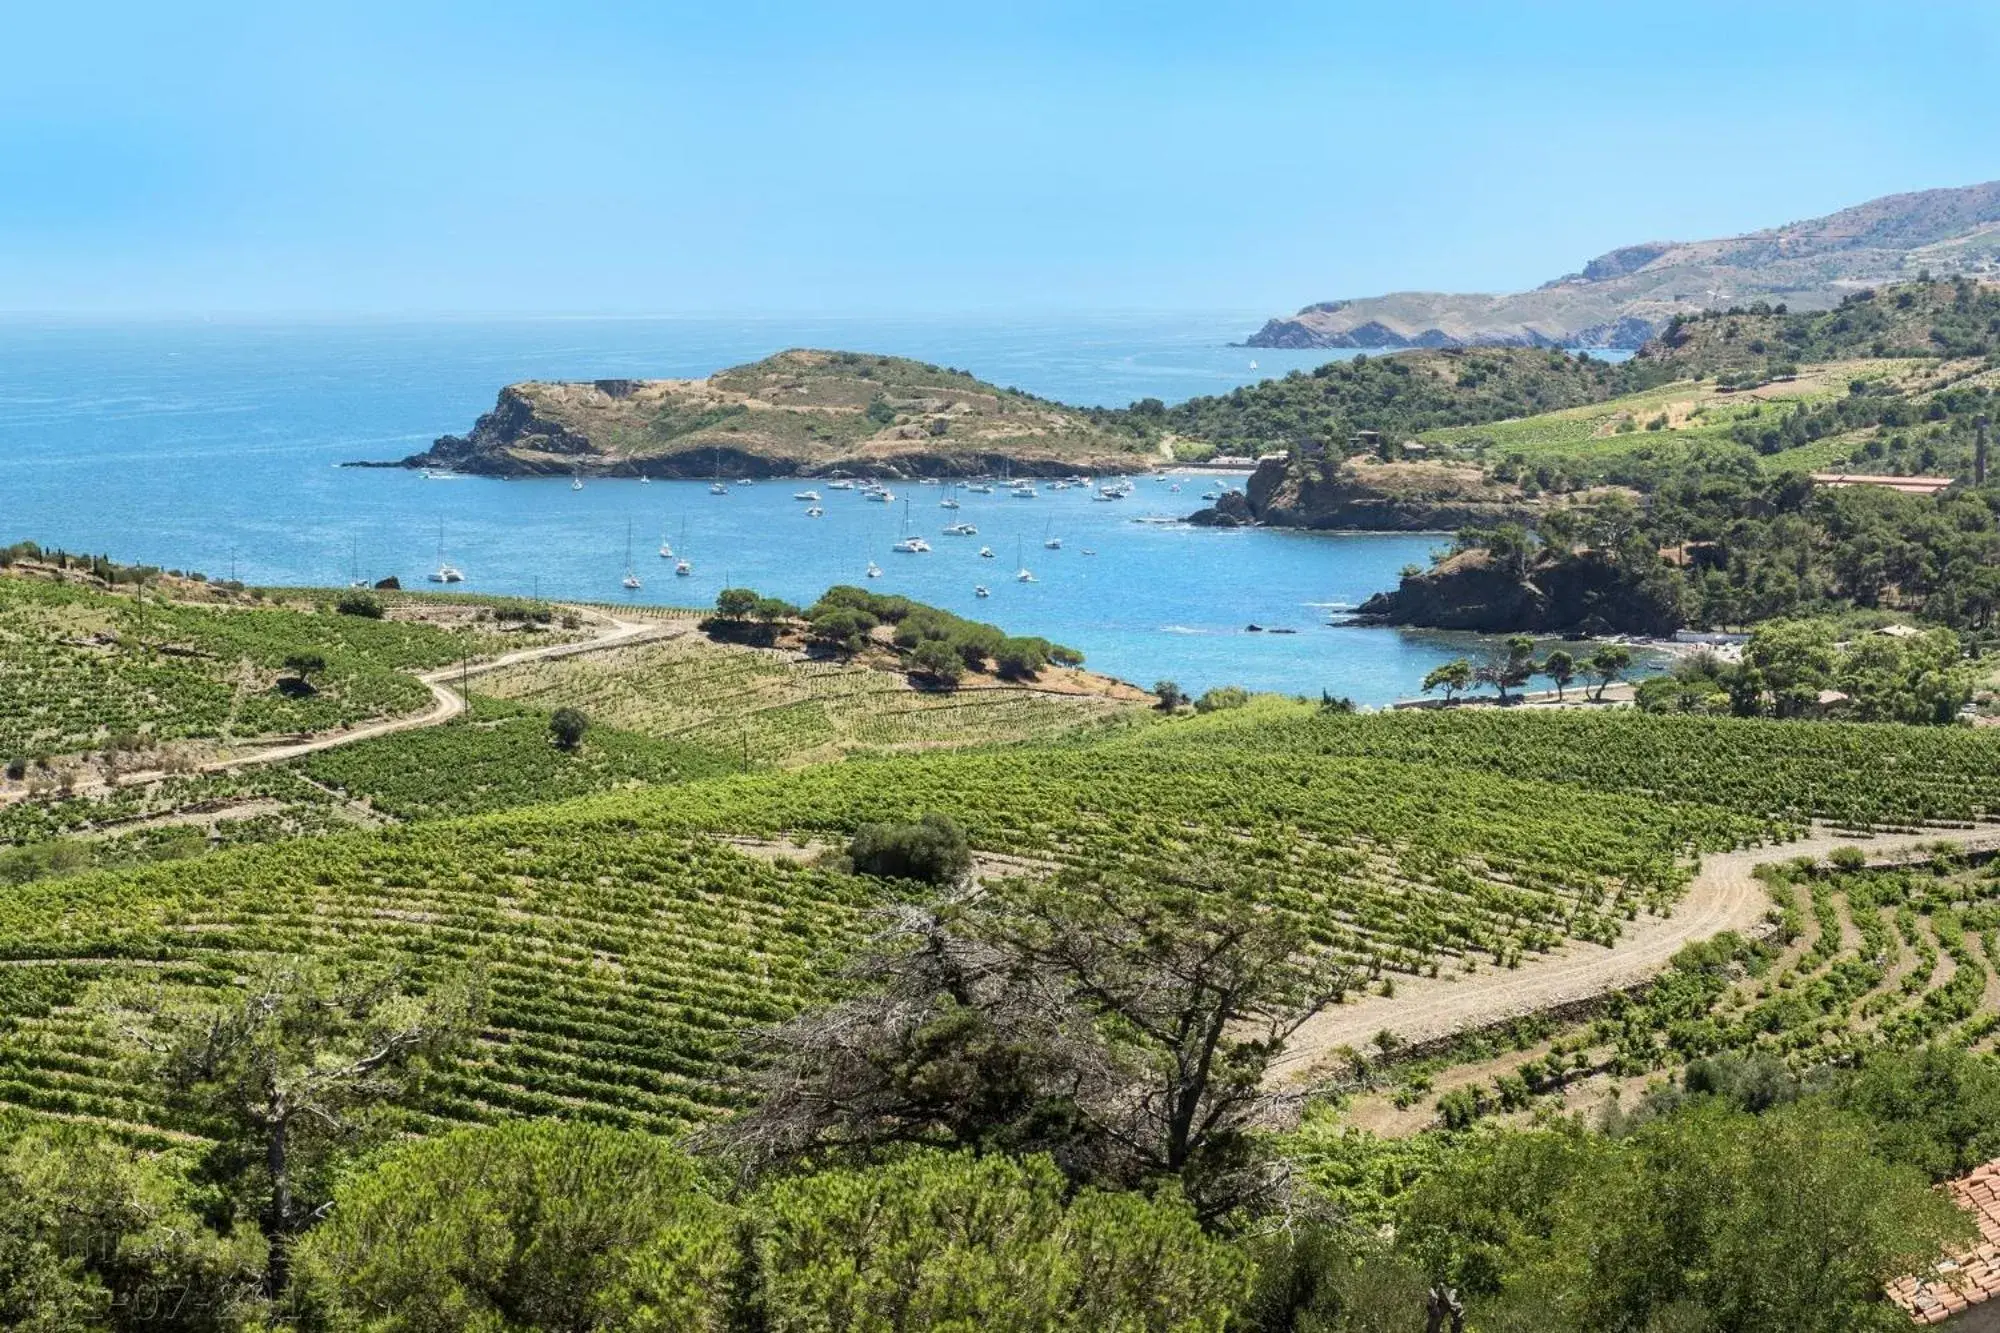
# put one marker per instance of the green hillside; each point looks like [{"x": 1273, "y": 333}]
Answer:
[{"x": 1397, "y": 395}]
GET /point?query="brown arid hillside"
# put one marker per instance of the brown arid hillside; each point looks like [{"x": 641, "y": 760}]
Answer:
[
  {"x": 1624, "y": 297},
  {"x": 797, "y": 413}
]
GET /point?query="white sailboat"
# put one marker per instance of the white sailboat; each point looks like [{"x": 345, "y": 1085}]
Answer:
[
  {"x": 716, "y": 487},
  {"x": 1050, "y": 543},
  {"x": 874, "y": 570},
  {"x": 575, "y": 481},
  {"x": 631, "y": 580},
  {"x": 812, "y": 496},
  {"x": 961, "y": 530},
  {"x": 683, "y": 567},
  {"x": 910, "y": 545},
  {"x": 666, "y": 547},
  {"x": 840, "y": 484},
  {"x": 1023, "y": 574},
  {"x": 446, "y": 572}
]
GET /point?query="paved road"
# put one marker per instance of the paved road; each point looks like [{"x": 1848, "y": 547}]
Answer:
[{"x": 1724, "y": 895}]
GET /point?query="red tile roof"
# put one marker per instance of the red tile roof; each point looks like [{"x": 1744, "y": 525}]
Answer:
[{"x": 1960, "y": 1280}]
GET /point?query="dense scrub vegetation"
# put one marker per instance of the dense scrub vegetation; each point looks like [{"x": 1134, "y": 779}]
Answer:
[
  {"x": 1396, "y": 395},
  {"x": 1808, "y": 668},
  {"x": 1953, "y": 317}
]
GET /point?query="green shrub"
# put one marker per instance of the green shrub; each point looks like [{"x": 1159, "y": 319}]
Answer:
[
  {"x": 1221, "y": 698},
  {"x": 566, "y": 727},
  {"x": 932, "y": 850},
  {"x": 356, "y": 602}
]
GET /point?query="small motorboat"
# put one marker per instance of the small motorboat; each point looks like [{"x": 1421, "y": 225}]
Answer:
[
  {"x": 874, "y": 570},
  {"x": 912, "y": 546},
  {"x": 812, "y": 496},
  {"x": 840, "y": 484},
  {"x": 985, "y": 553},
  {"x": 979, "y": 590},
  {"x": 684, "y": 569},
  {"x": 717, "y": 488},
  {"x": 814, "y": 512},
  {"x": 961, "y": 530},
  {"x": 979, "y": 488},
  {"x": 1088, "y": 551}
]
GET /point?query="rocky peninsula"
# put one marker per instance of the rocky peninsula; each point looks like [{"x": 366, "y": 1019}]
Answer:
[{"x": 799, "y": 413}]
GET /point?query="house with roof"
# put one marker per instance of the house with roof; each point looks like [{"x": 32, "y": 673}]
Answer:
[{"x": 1958, "y": 1292}]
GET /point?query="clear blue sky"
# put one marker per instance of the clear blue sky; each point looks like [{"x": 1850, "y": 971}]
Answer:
[{"x": 742, "y": 156}]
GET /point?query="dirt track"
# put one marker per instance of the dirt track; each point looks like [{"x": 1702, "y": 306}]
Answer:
[
  {"x": 449, "y": 703},
  {"x": 1723, "y": 896},
  {"x": 446, "y": 704}
]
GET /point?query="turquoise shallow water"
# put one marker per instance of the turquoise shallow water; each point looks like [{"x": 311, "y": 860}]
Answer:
[{"x": 214, "y": 446}]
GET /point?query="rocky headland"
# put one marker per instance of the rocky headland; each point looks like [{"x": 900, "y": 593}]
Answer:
[{"x": 800, "y": 413}]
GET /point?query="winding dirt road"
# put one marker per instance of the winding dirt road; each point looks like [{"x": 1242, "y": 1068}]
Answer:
[
  {"x": 449, "y": 703},
  {"x": 1724, "y": 895}
]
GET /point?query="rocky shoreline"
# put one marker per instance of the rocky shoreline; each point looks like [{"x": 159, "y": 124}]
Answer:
[{"x": 1367, "y": 497}]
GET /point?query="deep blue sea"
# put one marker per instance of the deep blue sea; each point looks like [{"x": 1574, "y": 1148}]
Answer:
[{"x": 214, "y": 445}]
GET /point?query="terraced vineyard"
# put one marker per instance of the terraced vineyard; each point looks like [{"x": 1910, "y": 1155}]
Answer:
[
  {"x": 620, "y": 961},
  {"x": 1884, "y": 957},
  {"x": 771, "y": 707},
  {"x": 496, "y": 757},
  {"x": 1861, "y": 775},
  {"x": 1392, "y": 867},
  {"x": 627, "y": 948},
  {"x": 79, "y": 665},
  {"x": 1672, "y": 416},
  {"x": 1865, "y": 960}
]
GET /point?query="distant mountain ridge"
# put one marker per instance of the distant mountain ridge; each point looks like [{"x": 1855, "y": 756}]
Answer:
[{"x": 1626, "y": 296}]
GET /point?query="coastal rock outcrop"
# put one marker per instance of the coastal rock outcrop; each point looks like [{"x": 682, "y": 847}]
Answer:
[
  {"x": 1362, "y": 495},
  {"x": 1584, "y": 593}
]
